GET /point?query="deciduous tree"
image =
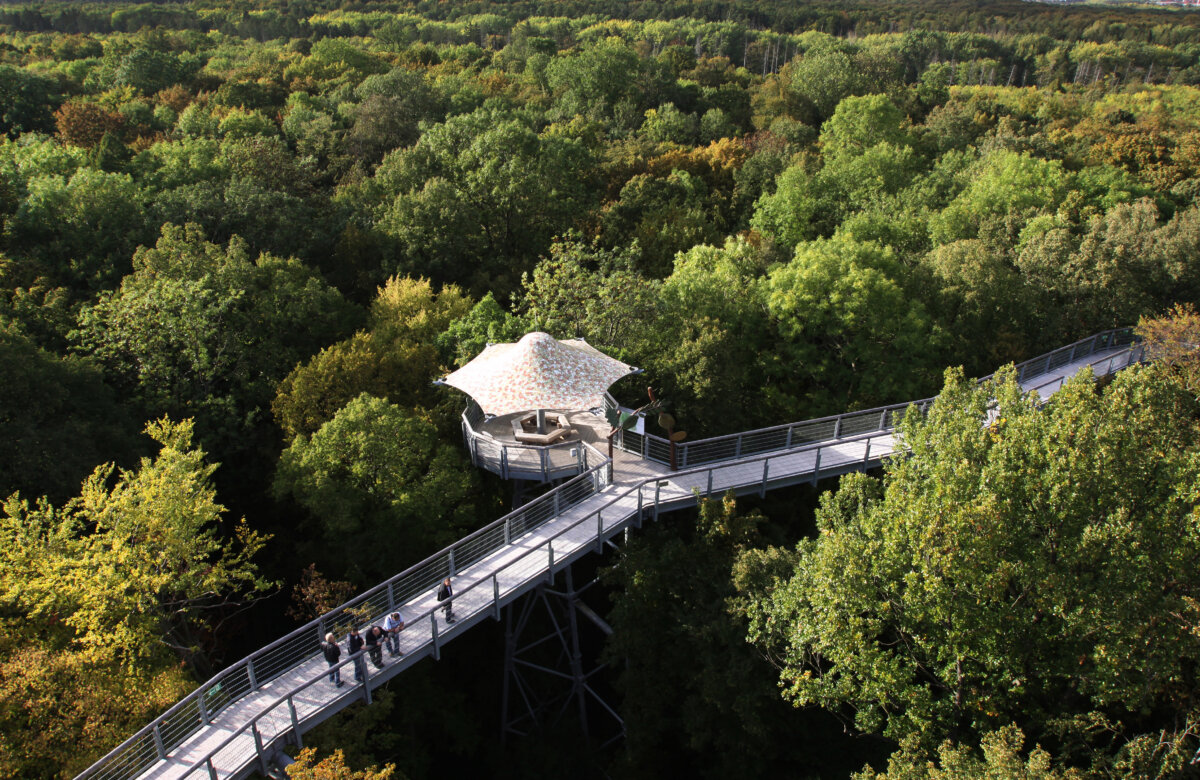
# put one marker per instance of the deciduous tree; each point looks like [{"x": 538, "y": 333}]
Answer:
[
  {"x": 1023, "y": 564},
  {"x": 382, "y": 489}
]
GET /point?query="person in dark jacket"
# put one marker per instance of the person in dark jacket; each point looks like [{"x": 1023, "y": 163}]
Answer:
[
  {"x": 445, "y": 593},
  {"x": 332, "y": 654},
  {"x": 374, "y": 641},
  {"x": 354, "y": 643}
]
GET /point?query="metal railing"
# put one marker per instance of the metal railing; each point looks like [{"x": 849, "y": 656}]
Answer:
[
  {"x": 523, "y": 461},
  {"x": 1102, "y": 367},
  {"x": 883, "y": 418},
  {"x": 1044, "y": 364},
  {"x": 258, "y": 737},
  {"x": 167, "y": 732}
]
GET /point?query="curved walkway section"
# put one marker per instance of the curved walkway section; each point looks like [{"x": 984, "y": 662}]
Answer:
[{"x": 233, "y": 724}]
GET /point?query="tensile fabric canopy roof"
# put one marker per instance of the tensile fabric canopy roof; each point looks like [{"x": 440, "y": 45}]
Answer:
[{"x": 538, "y": 372}]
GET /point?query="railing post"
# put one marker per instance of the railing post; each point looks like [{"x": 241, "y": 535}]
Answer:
[
  {"x": 550, "y": 564},
  {"x": 212, "y": 770},
  {"x": 201, "y": 695},
  {"x": 453, "y": 569},
  {"x": 817, "y": 466},
  {"x": 258, "y": 748},
  {"x": 639, "y": 512},
  {"x": 599, "y": 532},
  {"x": 508, "y": 531},
  {"x": 250, "y": 674},
  {"x": 645, "y": 447},
  {"x": 683, "y": 456},
  {"x": 883, "y": 420},
  {"x": 495, "y": 596},
  {"x": 391, "y": 596},
  {"x": 542, "y": 461},
  {"x": 295, "y": 723},
  {"x": 762, "y": 491},
  {"x": 867, "y": 455},
  {"x": 837, "y": 427},
  {"x": 504, "y": 462},
  {"x": 657, "y": 489},
  {"x": 366, "y": 673},
  {"x": 737, "y": 447},
  {"x": 708, "y": 492},
  {"x": 787, "y": 445},
  {"x": 158, "y": 744},
  {"x": 556, "y": 503},
  {"x": 437, "y": 648}
]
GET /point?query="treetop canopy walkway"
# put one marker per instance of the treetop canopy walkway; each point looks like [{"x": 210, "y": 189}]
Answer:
[{"x": 236, "y": 722}]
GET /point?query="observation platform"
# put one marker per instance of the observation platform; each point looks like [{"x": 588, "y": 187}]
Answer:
[{"x": 235, "y": 724}]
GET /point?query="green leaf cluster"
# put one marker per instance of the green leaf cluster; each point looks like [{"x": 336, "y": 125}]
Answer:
[{"x": 1022, "y": 564}]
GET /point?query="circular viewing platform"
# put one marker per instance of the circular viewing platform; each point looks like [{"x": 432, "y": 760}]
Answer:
[{"x": 510, "y": 445}]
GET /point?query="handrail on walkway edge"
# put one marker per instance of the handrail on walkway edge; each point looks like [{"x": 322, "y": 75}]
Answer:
[
  {"x": 548, "y": 545},
  {"x": 593, "y": 472}
]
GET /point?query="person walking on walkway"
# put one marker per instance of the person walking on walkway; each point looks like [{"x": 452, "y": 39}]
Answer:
[
  {"x": 374, "y": 640},
  {"x": 445, "y": 593},
  {"x": 393, "y": 624},
  {"x": 354, "y": 643},
  {"x": 332, "y": 654}
]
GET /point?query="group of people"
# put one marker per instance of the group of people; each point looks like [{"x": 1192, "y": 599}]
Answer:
[{"x": 375, "y": 639}]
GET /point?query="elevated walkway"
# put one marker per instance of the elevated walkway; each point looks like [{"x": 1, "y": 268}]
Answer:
[{"x": 233, "y": 724}]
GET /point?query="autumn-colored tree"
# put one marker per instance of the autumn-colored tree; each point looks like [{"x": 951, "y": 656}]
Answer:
[
  {"x": 85, "y": 124},
  {"x": 315, "y": 595},
  {"x": 1002, "y": 759},
  {"x": 1174, "y": 340},
  {"x": 333, "y": 767}
]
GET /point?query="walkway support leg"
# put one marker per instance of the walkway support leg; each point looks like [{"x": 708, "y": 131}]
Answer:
[{"x": 545, "y": 676}]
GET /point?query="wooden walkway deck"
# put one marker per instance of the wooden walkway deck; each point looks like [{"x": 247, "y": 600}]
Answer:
[{"x": 252, "y": 719}]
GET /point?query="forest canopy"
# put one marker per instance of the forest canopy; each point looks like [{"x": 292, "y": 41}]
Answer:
[{"x": 253, "y": 234}]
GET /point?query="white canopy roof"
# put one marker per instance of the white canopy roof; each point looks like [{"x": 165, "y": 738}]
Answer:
[{"x": 538, "y": 372}]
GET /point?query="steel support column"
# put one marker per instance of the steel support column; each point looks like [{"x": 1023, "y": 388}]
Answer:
[{"x": 544, "y": 669}]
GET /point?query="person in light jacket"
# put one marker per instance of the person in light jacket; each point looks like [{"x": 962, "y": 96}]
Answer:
[
  {"x": 393, "y": 624},
  {"x": 332, "y": 654}
]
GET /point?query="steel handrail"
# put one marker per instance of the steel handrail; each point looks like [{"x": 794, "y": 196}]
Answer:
[
  {"x": 597, "y": 475},
  {"x": 881, "y": 411},
  {"x": 598, "y": 471},
  {"x": 473, "y": 438},
  {"x": 493, "y": 576},
  {"x": 1130, "y": 352}
]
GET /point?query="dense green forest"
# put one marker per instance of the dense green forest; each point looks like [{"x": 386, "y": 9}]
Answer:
[{"x": 239, "y": 240}]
